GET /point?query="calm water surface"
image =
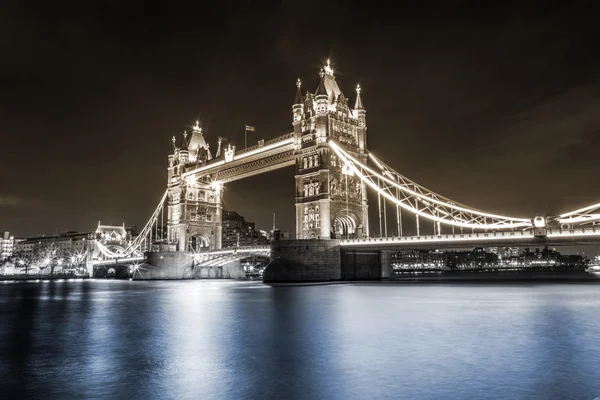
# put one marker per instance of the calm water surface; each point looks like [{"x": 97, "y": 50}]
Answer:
[{"x": 246, "y": 340}]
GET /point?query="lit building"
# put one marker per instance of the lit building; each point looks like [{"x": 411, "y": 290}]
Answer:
[
  {"x": 7, "y": 243},
  {"x": 67, "y": 248},
  {"x": 331, "y": 203},
  {"x": 238, "y": 232}
]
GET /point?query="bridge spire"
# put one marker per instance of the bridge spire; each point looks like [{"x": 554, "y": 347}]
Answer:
[
  {"x": 359, "y": 104},
  {"x": 321, "y": 89},
  {"x": 218, "y": 153},
  {"x": 298, "y": 99}
]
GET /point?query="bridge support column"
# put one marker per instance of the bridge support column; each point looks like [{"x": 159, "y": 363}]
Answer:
[
  {"x": 387, "y": 270},
  {"x": 183, "y": 239}
]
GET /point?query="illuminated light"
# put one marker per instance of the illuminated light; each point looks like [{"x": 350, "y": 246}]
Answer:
[
  {"x": 328, "y": 68},
  {"x": 204, "y": 168},
  {"x": 372, "y": 157},
  {"x": 539, "y": 222},
  {"x": 347, "y": 170},
  {"x": 581, "y": 210},
  {"x": 197, "y": 127},
  {"x": 520, "y": 222},
  {"x": 434, "y": 239},
  {"x": 216, "y": 185},
  {"x": 582, "y": 218},
  {"x": 358, "y": 88},
  {"x": 190, "y": 180},
  {"x": 265, "y": 148}
]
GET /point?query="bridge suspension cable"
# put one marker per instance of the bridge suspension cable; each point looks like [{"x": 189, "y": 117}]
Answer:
[
  {"x": 145, "y": 235},
  {"x": 423, "y": 202}
]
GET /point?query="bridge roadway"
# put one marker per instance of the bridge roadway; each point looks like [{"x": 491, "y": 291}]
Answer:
[
  {"x": 264, "y": 157},
  {"x": 554, "y": 237}
]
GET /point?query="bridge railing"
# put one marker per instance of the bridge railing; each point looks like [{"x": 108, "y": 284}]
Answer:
[
  {"x": 266, "y": 143},
  {"x": 443, "y": 237},
  {"x": 595, "y": 230}
]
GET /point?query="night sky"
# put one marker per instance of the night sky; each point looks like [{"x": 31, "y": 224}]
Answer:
[{"x": 496, "y": 108}]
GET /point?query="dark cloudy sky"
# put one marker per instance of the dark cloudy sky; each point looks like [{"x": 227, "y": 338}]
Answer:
[{"x": 496, "y": 107}]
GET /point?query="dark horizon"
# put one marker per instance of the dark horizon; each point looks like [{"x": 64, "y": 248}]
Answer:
[{"x": 494, "y": 107}]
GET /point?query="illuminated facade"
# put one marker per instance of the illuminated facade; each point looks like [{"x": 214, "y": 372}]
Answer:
[
  {"x": 7, "y": 243},
  {"x": 330, "y": 201},
  {"x": 193, "y": 202},
  {"x": 66, "y": 248}
]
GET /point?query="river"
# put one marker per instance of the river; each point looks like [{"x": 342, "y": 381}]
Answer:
[{"x": 246, "y": 340}]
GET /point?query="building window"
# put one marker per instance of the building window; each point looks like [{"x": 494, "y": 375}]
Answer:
[{"x": 304, "y": 163}]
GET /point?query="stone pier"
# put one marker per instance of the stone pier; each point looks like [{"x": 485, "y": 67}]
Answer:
[{"x": 321, "y": 260}]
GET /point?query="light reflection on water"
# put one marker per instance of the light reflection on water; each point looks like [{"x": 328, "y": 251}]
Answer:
[{"x": 228, "y": 339}]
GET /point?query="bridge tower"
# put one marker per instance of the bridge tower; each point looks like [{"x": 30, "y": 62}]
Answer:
[
  {"x": 330, "y": 202},
  {"x": 194, "y": 215}
]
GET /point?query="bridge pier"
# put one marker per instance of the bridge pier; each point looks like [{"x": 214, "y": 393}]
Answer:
[{"x": 318, "y": 260}]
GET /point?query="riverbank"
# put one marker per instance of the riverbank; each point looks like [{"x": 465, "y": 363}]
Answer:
[
  {"x": 35, "y": 278},
  {"x": 558, "y": 275}
]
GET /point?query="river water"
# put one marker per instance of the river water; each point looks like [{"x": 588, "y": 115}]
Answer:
[{"x": 246, "y": 340}]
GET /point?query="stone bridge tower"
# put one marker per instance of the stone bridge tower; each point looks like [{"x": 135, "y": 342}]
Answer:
[
  {"x": 331, "y": 203},
  {"x": 194, "y": 220}
]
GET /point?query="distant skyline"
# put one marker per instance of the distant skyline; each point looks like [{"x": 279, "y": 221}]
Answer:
[{"x": 495, "y": 107}]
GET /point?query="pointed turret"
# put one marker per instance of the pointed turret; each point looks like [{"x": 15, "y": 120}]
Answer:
[
  {"x": 358, "y": 105},
  {"x": 298, "y": 99},
  {"x": 298, "y": 107},
  {"x": 196, "y": 142},
  {"x": 184, "y": 144},
  {"x": 218, "y": 154},
  {"x": 321, "y": 89},
  {"x": 321, "y": 96}
]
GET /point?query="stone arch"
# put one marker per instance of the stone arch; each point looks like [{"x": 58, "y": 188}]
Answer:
[
  {"x": 198, "y": 242},
  {"x": 345, "y": 225}
]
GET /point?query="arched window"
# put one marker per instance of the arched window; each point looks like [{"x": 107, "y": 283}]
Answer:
[
  {"x": 316, "y": 187},
  {"x": 316, "y": 160},
  {"x": 311, "y": 189},
  {"x": 305, "y": 190},
  {"x": 310, "y": 162},
  {"x": 304, "y": 163}
]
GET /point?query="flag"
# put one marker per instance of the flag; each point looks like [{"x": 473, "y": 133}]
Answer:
[{"x": 250, "y": 128}]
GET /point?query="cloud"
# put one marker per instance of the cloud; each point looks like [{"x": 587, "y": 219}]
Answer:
[
  {"x": 10, "y": 201},
  {"x": 16, "y": 201}
]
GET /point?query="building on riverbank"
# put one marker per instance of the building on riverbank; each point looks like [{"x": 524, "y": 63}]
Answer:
[
  {"x": 7, "y": 243},
  {"x": 237, "y": 232}
]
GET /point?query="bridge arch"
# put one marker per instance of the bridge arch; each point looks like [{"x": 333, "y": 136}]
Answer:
[
  {"x": 345, "y": 225},
  {"x": 199, "y": 242}
]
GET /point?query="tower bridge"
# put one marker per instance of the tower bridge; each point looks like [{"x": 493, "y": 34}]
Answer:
[{"x": 333, "y": 172}]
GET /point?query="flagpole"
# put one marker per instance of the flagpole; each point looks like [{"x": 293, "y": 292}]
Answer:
[{"x": 246, "y": 137}]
